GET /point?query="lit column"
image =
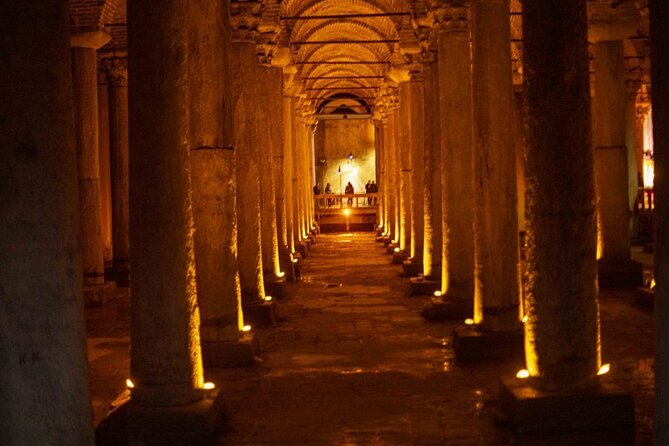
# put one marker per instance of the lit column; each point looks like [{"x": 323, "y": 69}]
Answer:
[
  {"x": 84, "y": 69},
  {"x": 300, "y": 247},
  {"x": 269, "y": 89},
  {"x": 213, "y": 171},
  {"x": 496, "y": 271},
  {"x": 457, "y": 158},
  {"x": 117, "y": 76},
  {"x": 105, "y": 169},
  {"x": 416, "y": 132},
  {"x": 288, "y": 165},
  {"x": 44, "y": 386},
  {"x": 381, "y": 222},
  {"x": 165, "y": 357},
  {"x": 248, "y": 104},
  {"x": 397, "y": 137},
  {"x": 403, "y": 121},
  {"x": 659, "y": 39},
  {"x": 432, "y": 198},
  {"x": 608, "y": 29},
  {"x": 562, "y": 327}
]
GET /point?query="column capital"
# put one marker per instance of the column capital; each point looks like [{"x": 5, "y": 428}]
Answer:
[
  {"x": 245, "y": 19},
  {"x": 606, "y": 23},
  {"x": 642, "y": 111},
  {"x": 414, "y": 66},
  {"x": 632, "y": 87},
  {"x": 93, "y": 37},
  {"x": 449, "y": 16},
  {"x": 116, "y": 71}
]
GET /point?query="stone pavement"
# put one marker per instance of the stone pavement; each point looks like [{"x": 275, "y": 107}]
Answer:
[{"x": 353, "y": 363}]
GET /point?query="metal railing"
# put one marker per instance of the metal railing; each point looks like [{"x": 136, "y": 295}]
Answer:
[{"x": 339, "y": 201}]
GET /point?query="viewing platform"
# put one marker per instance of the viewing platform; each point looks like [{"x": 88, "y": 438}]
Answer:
[{"x": 346, "y": 212}]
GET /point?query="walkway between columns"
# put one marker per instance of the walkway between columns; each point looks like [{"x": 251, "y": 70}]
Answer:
[{"x": 355, "y": 364}]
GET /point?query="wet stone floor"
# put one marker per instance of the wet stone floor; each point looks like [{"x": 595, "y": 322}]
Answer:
[{"x": 353, "y": 363}]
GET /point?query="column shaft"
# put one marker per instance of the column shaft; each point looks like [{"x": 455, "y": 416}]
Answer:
[
  {"x": 432, "y": 180},
  {"x": 396, "y": 125},
  {"x": 417, "y": 145},
  {"x": 404, "y": 146},
  {"x": 84, "y": 66},
  {"x": 44, "y": 386},
  {"x": 610, "y": 150},
  {"x": 105, "y": 170},
  {"x": 457, "y": 158},
  {"x": 247, "y": 114},
  {"x": 288, "y": 171},
  {"x": 495, "y": 222},
  {"x": 213, "y": 173},
  {"x": 659, "y": 17},
  {"x": 165, "y": 357},
  {"x": 561, "y": 286}
]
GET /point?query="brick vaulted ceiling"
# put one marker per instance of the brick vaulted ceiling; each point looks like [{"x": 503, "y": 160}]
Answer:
[{"x": 346, "y": 48}]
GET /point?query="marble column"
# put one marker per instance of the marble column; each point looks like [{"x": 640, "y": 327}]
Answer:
[
  {"x": 404, "y": 149},
  {"x": 165, "y": 356},
  {"x": 417, "y": 147},
  {"x": 213, "y": 170},
  {"x": 295, "y": 172},
  {"x": 432, "y": 180},
  {"x": 288, "y": 170},
  {"x": 497, "y": 285},
  {"x": 117, "y": 77},
  {"x": 398, "y": 146},
  {"x": 247, "y": 120},
  {"x": 44, "y": 386},
  {"x": 105, "y": 170},
  {"x": 659, "y": 40},
  {"x": 561, "y": 280},
  {"x": 84, "y": 69},
  {"x": 457, "y": 156},
  {"x": 381, "y": 222}
]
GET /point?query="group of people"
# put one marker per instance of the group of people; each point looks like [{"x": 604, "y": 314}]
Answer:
[{"x": 370, "y": 187}]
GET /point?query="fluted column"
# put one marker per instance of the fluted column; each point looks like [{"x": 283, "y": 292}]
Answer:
[
  {"x": 105, "y": 169},
  {"x": 561, "y": 287},
  {"x": 495, "y": 216},
  {"x": 659, "y": 40},
  {"x": 432, "y": 179},
  {"x": 213, "y": 173},
  {"x": 117, "y": 77},
  {"x": 457, "y": 153},
  {"x": 84, "y": 69},
  {"x": 44, "y": 386},
  {"x": 165, "y": 356}
]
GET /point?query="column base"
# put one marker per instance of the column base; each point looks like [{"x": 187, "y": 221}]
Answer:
[
  {"x": 286, "y": 264},
  {"x": 379, "y": 232},
  {"x": 225, "y": 354},
  {"x": 275, "y": 286},
  {"x": 312, "y": 238},
  {"x": 472, "y": 344},
  {"x": 380, "y": 239},
  {"x": 530, "y": 410},
  {"x": 193, "y": 424},
  {"x": 390, "y": 248},
  {"x": 645, "y": 298},
  {"x": 439, "y": 309},
  {"x": 387, "y": 240},
  {"x": 302, "y": 248},
  {"x": 411, "y": 267},
  {"x": 399, "y": 257},
  {"x": 98, "y": 295},
  {"x": 261, "y": 313},
  {"x": 620, "y": 274},
  {"x": 420, "y": 286}
]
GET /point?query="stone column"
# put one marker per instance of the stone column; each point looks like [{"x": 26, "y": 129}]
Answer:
[
  {"x": 295, "y": 171},
  {"x": 497, "y": 284},
  {"x": 389, "y": 192},
  {"x": 117, "y": 76},
  {"x": 84, "y": 69},
  {"x": 608, "y": 29},
  {"x": 633, "y": 168},
  {"x": 397, "y": 139},
  {"x": 405, "y": 189},
  {"x": 247, "y": 128},
  {"x": 381, "y": 222},
  {"x": 659, "y": 39},
  {"x": 416, "y": 133},
  {"x": 105, "y": 170},
  {"x": 561, "y": 227},
  {"x": 288, "y": 170},
  {"x": 432, "y": 181},
  {"x": 44, "y": 386},
  {"x": 213, "y": 172},
  {"x": 457, "y": 159},
  {"x": 165, "y": 357}
]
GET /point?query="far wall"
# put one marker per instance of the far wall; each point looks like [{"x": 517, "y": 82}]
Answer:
[{"x": 334, "y": 140}]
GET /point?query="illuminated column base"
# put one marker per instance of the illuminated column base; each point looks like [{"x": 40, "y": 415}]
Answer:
[
  {"x": 192, "y": 423},
  {"x": 471, "y": 343},
  {"x": 438, "y": 309},
  {"x": 260, "y": 313},
  {"x": 532, "y": 410},
  {"x": 286, "y": 263},
  {"x": 399, "y": 256},
  {"x": 275, "y": 286},
  {"x": 421, "y": 286},
  {"x": 239, "y": 353},
  {"x": 412, "y": 267}
]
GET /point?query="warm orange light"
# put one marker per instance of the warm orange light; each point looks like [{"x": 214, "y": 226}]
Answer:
[
  {"x": 281, "y": 274},
  {"x": 129, "y": 383},
  {"x": 648, "y": 173},
  {"x": 524, "y": 319},
  {"x": 209, "y": 386},
  {"x": 397, "y": 249},
  {"x": 294, "y": 260},
  {"x": 246, "y": 328},
  {"x": 522, "y": 374},
  {"x": 437, "y": 293},
  {"x": 347, "y": 212},
  {"x": 268, "y": 298},
  {"x": 604, "y": 369},
  {"x": 469, "y": 321}
]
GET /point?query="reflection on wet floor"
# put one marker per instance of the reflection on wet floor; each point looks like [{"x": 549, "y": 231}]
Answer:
[{"x": 355, "y": 364}]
